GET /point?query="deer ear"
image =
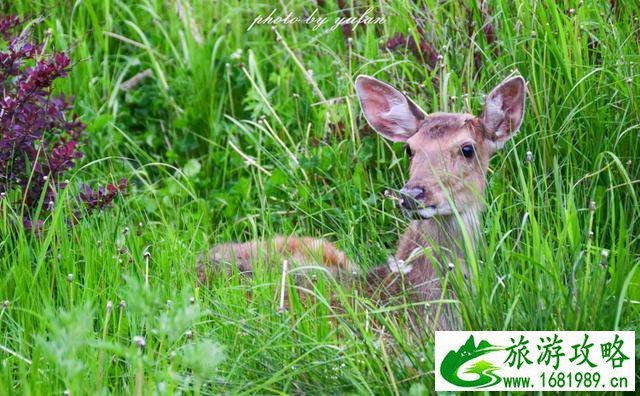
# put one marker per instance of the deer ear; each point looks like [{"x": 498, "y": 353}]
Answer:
[
  {"x": 388, "y": 110},
  {"x": 504, "y": 110}
]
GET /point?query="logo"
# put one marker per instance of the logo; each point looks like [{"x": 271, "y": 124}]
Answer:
[
  {"x": 535, "y": 360},
  {"x": 485, "y": 370}
]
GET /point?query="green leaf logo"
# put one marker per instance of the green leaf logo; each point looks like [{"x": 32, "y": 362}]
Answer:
[{"x": 454, "y": 360}]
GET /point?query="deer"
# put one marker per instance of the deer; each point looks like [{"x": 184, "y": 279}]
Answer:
[{"x": 443, "y": 197}]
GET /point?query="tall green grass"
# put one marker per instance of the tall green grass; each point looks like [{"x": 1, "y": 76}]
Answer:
[{"x": 229, "y": 140}]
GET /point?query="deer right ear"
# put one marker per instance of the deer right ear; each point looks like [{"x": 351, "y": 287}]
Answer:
[
  {"x": 504, "y": 110},
  {"x": 387, "y": 110}
]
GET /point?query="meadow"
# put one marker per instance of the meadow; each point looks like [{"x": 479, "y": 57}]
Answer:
[{"x": 228, "y": 134}]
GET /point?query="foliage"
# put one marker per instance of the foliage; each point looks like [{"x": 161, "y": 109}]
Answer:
[
  {"x": 228, "y": 139},
  {"x": 40, "y": 136}
]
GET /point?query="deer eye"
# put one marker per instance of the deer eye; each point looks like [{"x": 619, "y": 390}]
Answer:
[
  {"x": 407, "y": 149},
  {"x": 467, "y": 150}
]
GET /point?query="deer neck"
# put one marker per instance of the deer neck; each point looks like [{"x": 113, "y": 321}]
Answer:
[{"x": 440, "y": 238}]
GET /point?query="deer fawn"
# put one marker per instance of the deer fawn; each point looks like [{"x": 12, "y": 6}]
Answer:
[{"x": 449, "y": 159}]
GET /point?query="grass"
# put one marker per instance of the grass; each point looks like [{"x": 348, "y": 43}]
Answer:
[{"x": 237, "y": 135}]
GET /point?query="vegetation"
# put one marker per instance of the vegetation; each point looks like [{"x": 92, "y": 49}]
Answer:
[{"x": 227, "y": 134}]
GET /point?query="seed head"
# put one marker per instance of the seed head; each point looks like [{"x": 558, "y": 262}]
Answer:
[
  {"x": 192, "y": 300},
  {"x": 604, "y": 253},
  {"x": 109, "y": 306},
  {"x": 529, "y": 156},
  {"x": 5, "y": 304},
  {"x": 592, "y": 205},
  {"x": 534, "y": 34},
  {"x": 629, "y": 81},
  {"x": 69, "y": 278},
  {"x": 189, "y": 335},
  {"x": 122, "y": 304}
]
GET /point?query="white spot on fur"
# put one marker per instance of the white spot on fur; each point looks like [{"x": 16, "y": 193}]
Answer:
[{"x": 427, "y": 213}]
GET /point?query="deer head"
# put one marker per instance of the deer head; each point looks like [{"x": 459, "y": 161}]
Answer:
[{"x": 449, "y": 151}]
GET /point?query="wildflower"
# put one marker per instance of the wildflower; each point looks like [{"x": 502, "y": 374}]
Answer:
[
  {"x": 5, "y": 304},
  {"x": 109, "y": 306},
  {"x": 139, "y": 341},
  {"x": 189, "y": 335},
  {"x": 630, "y": 81},
  {"x": 592, "y": 205},
  {"x": 237, "y": 54},
  {"x": 122, "y": 304},
  {"x": 604, "y": 253},
  {"x": 534, "y": 34},
  {"x": 192, "y": 300},
  {"x": 529, "y": 156},
  {"x": 451, "y": 266},
  {"x": 69, "y": 278}
]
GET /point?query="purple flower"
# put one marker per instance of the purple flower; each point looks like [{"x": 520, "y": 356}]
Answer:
[{"x": 40, "y": 136}]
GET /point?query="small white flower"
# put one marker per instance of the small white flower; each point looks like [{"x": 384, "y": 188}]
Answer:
[
  {"x": 139, "y": 341},
  {"x": 529, "y": 156},
  {"x": 237, "y": 54},
  {"x": 69, "y": 278}
]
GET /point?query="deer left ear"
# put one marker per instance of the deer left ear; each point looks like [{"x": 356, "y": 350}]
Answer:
[{"x": 504, "y": 110}]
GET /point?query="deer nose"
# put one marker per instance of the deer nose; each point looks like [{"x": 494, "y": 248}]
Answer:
[{"x": 409, "y": 197}]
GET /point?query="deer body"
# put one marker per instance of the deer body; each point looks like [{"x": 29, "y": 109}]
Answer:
[{"x": 450, "y": 154}]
